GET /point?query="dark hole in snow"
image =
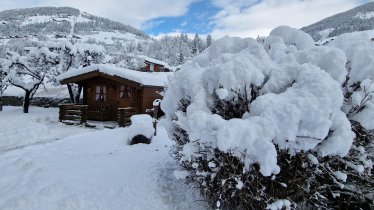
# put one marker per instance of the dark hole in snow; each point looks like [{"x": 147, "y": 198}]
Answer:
[{"x": 140, "y": 139}]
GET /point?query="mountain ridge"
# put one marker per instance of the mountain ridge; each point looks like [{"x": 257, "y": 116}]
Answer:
[
  {"x": 360, "y": 18},
  {"x": 57, "y": 20}
]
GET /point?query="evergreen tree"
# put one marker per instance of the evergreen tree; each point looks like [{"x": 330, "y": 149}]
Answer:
[
  {"x": 180, "y": 58},
  {"x": 139, "y": 47},
  {"x": 3, "y": 85},
  {"x": 195, "y": 45},
  {"x": 208, "y": 40}
]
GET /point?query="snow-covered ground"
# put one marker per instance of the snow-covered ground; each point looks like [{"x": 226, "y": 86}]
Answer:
[{"x": 45, "y": 164}]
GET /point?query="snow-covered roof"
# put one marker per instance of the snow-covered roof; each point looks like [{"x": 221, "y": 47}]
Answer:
[
  {"x": 144, "y": 78},
  {"x": 153, "y": 60}
]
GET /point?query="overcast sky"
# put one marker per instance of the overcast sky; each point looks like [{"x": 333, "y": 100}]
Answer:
[{"x": 244, "y": 18}]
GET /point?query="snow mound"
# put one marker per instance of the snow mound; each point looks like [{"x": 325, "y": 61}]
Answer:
[
  {"x": 331, "y": 60},
  {"x": 141, "y": 124},
  {"x": 359, "y": 50},
  {"x": 297, "y": 106},
  {"x": 292, "y": 36},
  {"x": 280, "y": 204}
]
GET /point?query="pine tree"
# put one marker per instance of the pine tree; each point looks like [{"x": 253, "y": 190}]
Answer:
[
  {"x": 139, "y": 47},
  {"x": 2, "y": 85},
  {"x": 180, "y": 58},
  {"x": 195, "y": 44},
  {"x": 208, "y": 40}
]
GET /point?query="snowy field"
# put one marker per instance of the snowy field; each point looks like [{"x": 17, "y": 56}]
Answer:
[{"x": 45, "y": 164}]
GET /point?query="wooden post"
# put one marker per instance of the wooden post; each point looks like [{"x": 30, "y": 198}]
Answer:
[
  {"x": 83, "y": 109},
  {"x": 62, "y": 112},
  {"x": 1, "y": 98},
  {"x": 156, "y": 105},
  {"x": 121, "y": 117},
  {"x": 1, "y": 91}
]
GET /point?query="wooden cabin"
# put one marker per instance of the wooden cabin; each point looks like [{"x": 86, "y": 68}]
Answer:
[
  {"x": 107, "y": 88},
  {"x": 154, "y": 65}
]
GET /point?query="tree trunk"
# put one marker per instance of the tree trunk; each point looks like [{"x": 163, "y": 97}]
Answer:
[
  {"x": 26, "y": 102},
  {"x": 1, "y": 101},
  {"x": 80, "y": 87},
  {"x": 1, "y": 93},
  {"x": 71, "y": 94}
]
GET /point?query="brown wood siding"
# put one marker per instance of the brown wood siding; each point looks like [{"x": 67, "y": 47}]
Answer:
[
  {"x": 112, "y": 94},
  {"x": 149, "y": 95}
]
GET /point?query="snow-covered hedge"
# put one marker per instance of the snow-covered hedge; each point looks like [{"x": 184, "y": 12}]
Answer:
[{"x": 244, "y": 107}]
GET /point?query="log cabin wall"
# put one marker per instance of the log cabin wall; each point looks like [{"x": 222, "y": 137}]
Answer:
[
  {"x": 112, "y": 91},
  {"x": 149, "y": 95}
]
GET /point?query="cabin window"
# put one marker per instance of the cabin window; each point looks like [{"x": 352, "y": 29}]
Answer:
[
  {"x": 125, "y": 92},
  {"x": 152, "y": 67},
  {"x": 100, "y": 93}
]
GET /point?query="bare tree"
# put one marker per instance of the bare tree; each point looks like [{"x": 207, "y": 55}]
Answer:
[{"x": 28, "y": 72}]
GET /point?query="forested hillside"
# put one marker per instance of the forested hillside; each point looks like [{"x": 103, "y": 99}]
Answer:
[
  {"x": 358, "y": 19},
  {"x": 56, "y": 20}
]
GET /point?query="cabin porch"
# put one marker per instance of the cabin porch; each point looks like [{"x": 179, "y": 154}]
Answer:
[{"x": 80, "y": 114}]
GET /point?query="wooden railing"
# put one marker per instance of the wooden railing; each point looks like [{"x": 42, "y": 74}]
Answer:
[
  {"x": 73, "y": 112},
  {"x": 124, "y": 115},
  {"x": 99, "y": 111}
]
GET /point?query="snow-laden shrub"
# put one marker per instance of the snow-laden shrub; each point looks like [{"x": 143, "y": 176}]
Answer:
[{"x": 260, "y": 124}]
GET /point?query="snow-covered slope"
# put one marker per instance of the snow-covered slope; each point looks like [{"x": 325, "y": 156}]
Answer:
[
  {"x": 358, "y": 19},
  {"x": 20, "y": 28},
  {"x": 61, "y": 22}
]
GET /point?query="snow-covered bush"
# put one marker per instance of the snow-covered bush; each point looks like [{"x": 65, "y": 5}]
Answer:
[{"x": 260, "y": 123}]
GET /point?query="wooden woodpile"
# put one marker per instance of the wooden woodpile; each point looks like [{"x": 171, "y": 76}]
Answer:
[
  {"x": 78, "y": 114},
  {"x": 73, "y": 112},
  {"x": 124, "y": 115}
]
